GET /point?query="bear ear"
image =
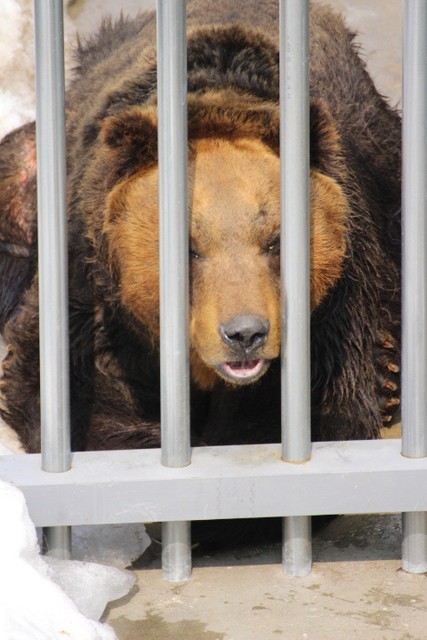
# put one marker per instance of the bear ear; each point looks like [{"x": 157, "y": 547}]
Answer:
[
  {"x": 131, "y": 136},
  {"x": 325, "y": 147}
]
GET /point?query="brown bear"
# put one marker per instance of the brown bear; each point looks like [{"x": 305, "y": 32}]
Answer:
[{"x": 233, "y": 125}]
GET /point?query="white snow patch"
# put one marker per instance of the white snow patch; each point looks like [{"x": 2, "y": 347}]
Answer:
[
  {"x": 32, "y": 605},
  {"x": 44, "y": 598}
]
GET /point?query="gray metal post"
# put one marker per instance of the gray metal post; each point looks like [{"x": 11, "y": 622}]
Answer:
[
  {"x": 174, "y": 282},
  {"x": 176, "y": 551},
  {"x": 414, "y": 265},
  {"x": 52, "y": 245},
  {"x": 295, "y": 251},
  {"x": 57, "y": 542}
]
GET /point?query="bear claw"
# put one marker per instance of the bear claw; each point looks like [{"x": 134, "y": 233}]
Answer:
[{"x": 386, "y": 357}]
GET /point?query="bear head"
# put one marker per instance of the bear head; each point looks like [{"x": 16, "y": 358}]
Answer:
[{"x": 234, "y": 225}]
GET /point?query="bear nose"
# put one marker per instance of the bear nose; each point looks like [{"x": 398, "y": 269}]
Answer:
[{"x": 245, "y": 333}]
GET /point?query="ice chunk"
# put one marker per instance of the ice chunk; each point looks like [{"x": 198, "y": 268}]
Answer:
[
  {"x": 90, "y": 586},
  {"x": 117, "y": 545}
]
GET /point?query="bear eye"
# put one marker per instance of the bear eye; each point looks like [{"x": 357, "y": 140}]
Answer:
[
  {"x": 194, "y": 255},
  {"x": 274, "y": 245}
]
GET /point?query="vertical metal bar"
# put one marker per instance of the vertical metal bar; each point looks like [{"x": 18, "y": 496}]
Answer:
[
  {"x": 414, "y": 545},
  {"x": 297, "y": 545},
  {"x": 176, "y": 551},
  {"x": 295, "y": 267},
  {"x": 57, "y": 542},
  {"x": 414, "y": 266},
  {"x": 52, "y": 244},
  {"x": 174, "y": 282}
]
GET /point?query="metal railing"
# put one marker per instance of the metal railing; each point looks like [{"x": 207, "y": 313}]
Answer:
[{"x": 212, "y": 482}]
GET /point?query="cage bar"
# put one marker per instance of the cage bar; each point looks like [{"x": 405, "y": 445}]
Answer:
[
  {"x": 52, "y": 247},
  {"x": 174, "y": 279},
  {"x": 295, "y": 264},
  {"x": 57, "y": 542},
  {"x": 176, "y": 550},
  {"x": 414, "y": 266}
]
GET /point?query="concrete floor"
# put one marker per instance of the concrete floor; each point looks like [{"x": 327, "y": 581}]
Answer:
[{"x": 356, "y": 590}]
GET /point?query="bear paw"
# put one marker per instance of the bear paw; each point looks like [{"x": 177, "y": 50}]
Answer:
[{"x": 387, "y": 366}]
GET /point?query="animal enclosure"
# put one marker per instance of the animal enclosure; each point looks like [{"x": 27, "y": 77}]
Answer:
[{"x": 295, "y": 480}]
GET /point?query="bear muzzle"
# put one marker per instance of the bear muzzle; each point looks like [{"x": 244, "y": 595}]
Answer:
[{"x": 244, "y": 335}]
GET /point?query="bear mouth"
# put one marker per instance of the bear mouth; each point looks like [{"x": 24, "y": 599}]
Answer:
[{"x": 243, "y": 371}]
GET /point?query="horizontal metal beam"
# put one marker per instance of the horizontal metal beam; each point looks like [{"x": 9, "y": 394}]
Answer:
[{"x": 221, "y": 482}]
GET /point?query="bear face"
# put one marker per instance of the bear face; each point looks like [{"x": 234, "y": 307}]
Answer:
[{"x": 234, "y": 238}]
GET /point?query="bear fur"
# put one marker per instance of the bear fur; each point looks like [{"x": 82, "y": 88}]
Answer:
[{"x": 234, "y": 230}]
